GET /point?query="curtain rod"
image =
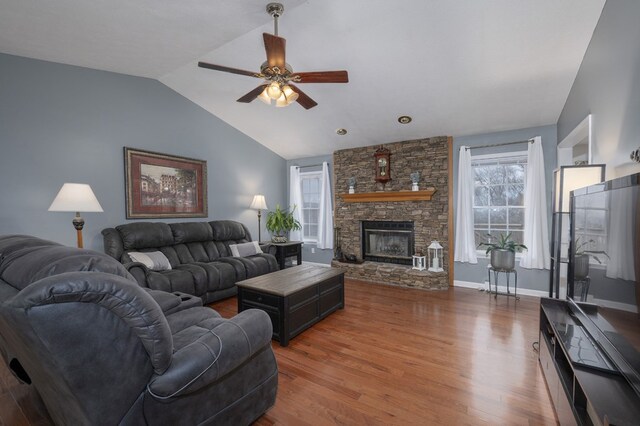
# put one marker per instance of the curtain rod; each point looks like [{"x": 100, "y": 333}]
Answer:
[
  {"x": 498, "y": 144},
  {"x": 310, "y": 165}
]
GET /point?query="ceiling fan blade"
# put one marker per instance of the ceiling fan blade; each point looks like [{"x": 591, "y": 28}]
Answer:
[
  {"x": 303, "y": 99},
  {"x": 275, "y": 48},
  {"x": 322, "y": 77},
  {"x": 227, "y": 69},
  {"x": 252, "y": 94}
]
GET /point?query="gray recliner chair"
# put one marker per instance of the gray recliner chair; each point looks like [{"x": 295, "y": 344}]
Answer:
[{"x": 100, "y": 350}]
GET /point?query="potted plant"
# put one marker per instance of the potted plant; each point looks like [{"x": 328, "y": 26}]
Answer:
[
  {"x": 280, "y": 222},
  {"x": 582, "y": 257},
  {"x": 503, "y": 252}
]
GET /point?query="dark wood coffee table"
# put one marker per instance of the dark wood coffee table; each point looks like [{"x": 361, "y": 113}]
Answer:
[{"x": 295, "y": 298}]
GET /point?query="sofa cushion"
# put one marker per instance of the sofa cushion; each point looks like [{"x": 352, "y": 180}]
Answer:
[
  {"x": 245, "y": 249},
  {"x": 189, "y": 232},
  {"x": 154, "y": 260},
  {"x": 224, "y": 230},
  {"x": 25, "y": 260},
  {"x": 197, "y": 251},
  {"x": 142, "y": 235}
]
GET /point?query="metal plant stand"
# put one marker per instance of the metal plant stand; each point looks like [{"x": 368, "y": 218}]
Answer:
[
  {"x": 584, "y": 291},
  {"x": 496, "y": 275}
]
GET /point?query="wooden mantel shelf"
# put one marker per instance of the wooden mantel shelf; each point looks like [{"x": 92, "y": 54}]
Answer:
[{"x": 368, "y": 197}]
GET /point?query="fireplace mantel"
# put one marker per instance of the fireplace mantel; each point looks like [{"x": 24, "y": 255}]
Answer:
[{"x": 368, "y": 197}]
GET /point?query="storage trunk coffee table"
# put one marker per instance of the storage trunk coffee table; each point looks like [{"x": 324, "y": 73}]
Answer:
[{"x": 295, "y": 298}]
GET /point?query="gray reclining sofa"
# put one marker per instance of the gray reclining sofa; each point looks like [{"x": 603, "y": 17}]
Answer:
[
  {"x": 199, "y": 253},
  {"x": 101, "y": 350}
]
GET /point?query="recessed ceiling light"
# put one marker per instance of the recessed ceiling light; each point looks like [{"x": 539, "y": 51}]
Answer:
[
  {"x": 341, "y": 132},
  {"x": 404, "y": 119}
]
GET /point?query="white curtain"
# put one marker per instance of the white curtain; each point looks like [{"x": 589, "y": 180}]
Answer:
[
  {"x": 620, "y": 263},
  {"x": 536, "y": 229},
  {"x": 295, "y": 199},
  {"x": 465, "y": 246},
  {"x": 325, "y": 221}
]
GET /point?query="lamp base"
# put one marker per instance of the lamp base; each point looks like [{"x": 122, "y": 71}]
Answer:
[{"x": 78, "y": 223}]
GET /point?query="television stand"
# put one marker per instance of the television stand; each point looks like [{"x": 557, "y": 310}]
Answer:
[{"x": 583, "y": 384}]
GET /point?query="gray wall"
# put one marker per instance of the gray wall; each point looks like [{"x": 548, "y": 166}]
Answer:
[
  {"x": 534, "y": 279},
  {"x": 61, "y": 123},
  {"x": 320, "y": 256},
  {"x": 608, "y": 86}
]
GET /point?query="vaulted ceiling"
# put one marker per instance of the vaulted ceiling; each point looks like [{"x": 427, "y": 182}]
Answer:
[{"x": 458, "y": 67}]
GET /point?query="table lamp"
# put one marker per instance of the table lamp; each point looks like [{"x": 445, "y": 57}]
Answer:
[
  {"x": 259, "y": 204},
  {"x": 76, "y": 197}
]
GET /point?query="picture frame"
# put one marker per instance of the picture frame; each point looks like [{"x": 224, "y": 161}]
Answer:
[{"x": 164, "y": 186}]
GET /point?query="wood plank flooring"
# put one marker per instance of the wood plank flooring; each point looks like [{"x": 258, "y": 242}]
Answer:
[{"x": 394, "y": 356}]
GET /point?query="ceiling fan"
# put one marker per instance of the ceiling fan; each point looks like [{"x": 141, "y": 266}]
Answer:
[{"x": 278, "y": 75}]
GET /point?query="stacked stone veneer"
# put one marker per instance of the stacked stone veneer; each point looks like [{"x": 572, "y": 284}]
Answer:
[{"x": 430, "y": 218}]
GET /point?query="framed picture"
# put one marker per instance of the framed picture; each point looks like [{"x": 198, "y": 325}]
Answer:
[{"x": 164, "y": 186}]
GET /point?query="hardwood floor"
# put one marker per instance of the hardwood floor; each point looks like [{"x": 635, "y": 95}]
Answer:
[{"x": 395, "y": 356}]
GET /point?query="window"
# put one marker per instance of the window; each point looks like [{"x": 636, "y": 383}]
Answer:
[
  {"x": 498, "y": 202},
  {"x": 311, "y": 184}
]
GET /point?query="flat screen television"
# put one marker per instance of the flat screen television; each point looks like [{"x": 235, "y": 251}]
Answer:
[{"x": 604, "y": 272}]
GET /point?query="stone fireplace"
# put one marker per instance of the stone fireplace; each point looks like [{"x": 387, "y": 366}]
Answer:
[
  {"x": 384, "y": 251},
  {"x": 387, "y": 241}
]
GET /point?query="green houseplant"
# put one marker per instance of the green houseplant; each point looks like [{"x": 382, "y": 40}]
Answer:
[
  {"x": 582, "y": 257},
  {"x": 280, "y": 222},
  {"x": 503, "y": 251}
]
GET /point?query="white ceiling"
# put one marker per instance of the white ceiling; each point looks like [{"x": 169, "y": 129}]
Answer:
[{"x": 458, "y": 67}]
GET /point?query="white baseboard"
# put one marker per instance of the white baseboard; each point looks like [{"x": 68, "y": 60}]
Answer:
[
  {"x": 614, "y": 305},
  {"x": 484, "y": 286},
  {"x": 469, "y": 284}
]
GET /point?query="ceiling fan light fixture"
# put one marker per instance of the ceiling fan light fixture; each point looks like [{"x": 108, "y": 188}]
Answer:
[
  {"x": 282, "y": 101},
  {"x": 264, "y": 97},
  {"x": 290, "y": 94},
  {"x": 276, "y": 73},
  {"x": 274, "y": 91}
]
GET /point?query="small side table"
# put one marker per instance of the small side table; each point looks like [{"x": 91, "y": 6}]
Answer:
[
  {"x": 496, "y": 275},
  {"x": 288, "y": 249}
]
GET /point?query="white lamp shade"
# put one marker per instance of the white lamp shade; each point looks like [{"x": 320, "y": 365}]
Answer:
[
  {"x": 75, "y": 197},
  {"x": 258, "y": 203}
]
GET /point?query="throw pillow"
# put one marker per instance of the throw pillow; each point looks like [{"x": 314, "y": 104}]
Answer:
[
  {"x": 245, "y": 249},
  {"x": 154, "y": 260}
]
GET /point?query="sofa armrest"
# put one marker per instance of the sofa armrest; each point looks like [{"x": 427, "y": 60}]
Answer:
[
  {"x": 139, "y": 272},
  {"x": 213, "y": 355},
  {"x": 268, "y": 248}
]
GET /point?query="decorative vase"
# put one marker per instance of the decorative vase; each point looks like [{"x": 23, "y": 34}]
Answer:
[
  {"x": 352, "y": 190},
  {"x": 279, "y": 239},
  {"x": 581, "y": 267},
  {"x": 414, "y": 187},
  {"x": 503, "y": 259}
]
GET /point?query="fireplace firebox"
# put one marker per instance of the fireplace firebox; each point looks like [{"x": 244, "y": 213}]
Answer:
[{"x": 387, "y": 241}]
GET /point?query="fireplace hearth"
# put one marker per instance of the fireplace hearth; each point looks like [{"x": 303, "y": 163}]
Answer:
[{"x": 387, "y": 241}]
